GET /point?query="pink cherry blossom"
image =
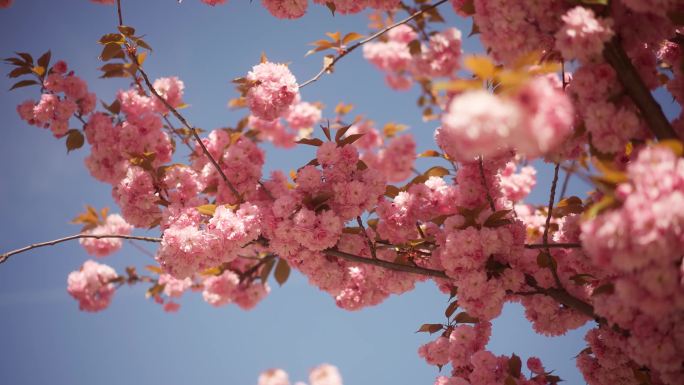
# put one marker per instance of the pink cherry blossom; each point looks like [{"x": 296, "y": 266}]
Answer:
[
  {"x": 114, "y": 224},
  {"x": 92, "y": 286},
  {"x": 273, "y": 90}
]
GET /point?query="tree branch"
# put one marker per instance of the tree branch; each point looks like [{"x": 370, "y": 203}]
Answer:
[
  {"x": 631, "y": 80},
  {"x": 4, "y": 257},
  {"x": 553, "y": 246},
  {"x": 387, "y": 265},
  {"x": 187, "y": 125},
  {"x": 177, "y": 114},
  {"x": 547, "y": 224},
  {"x": 368, "y": 39},
  {"x": 484, "y": 184}
]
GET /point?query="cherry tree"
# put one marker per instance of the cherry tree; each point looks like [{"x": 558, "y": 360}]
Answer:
[{"x": 569, "y": 83}]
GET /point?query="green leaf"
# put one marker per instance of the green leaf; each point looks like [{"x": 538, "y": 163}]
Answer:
[
  {"x": 351, "y": 36},
  {"x": 415, "y": 47},
  {"x": 340, "y": 133},
  {"x": 126, "y": 30},
  {"x": 266, "y": 270},
  {"x": 311, "y": 142},
  {"x": 350, "y": 139},
  {"x": 514, "y": 366},
  {"x": 545, "y": 260},
  {"x": 391, "y": 191},
  {"x": 436, "y": 171},
  {"x": 111, "y": 38},
  {"x": 465, "y": 318},
  {"x": 110, "y": 50},
  {"x": 475, "y": 30},
  {"x": 44, "y": 60},
  {"x": 23, "y": 83},
  {"x": 430, "y": 328},
  {"x": 331, "y": 7},
  {"x": 497, "y": 218},
  {"x": 607, "y": 288},
  {"x": 74, "y": 140},
  {"x": 282, "y": 272},
  {"x": 451, "y": 309},
  {"x": 430, "y": 154},
  {"x": 208, "y": 209},
  {"x": 27, "y": 58},
  {"x": 15, "y": 73},
  {"x": 468, "y": 7},
  {"x": 582, "y": 279},
  {"x": 570, "y": 205}
]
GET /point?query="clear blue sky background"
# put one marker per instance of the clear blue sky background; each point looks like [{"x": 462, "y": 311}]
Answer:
[{"x": 45, "y": 339}]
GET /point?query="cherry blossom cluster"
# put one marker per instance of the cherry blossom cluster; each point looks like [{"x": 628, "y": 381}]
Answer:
[
  {"x": 533, "y": 120},
  {"x": 114, "y": 225},
  {"x": 439, "y": 57},
  {"x": 639, "y": 247},
  {"x": 64, "y": 95},
  {"x": 463, "y": 346},
  {"x": 394, "y": 157},
  {"x": 297, "y": 122},
  {"x": 92, "y": 286}
]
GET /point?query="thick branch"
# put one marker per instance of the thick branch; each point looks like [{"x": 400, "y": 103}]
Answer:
[
  {"x": 4, "y": 257},
  {"x": 368, "y": 39},
  {"x": 642, "y": 97},
  {"x": 387, "y": 265},
  {"x": 568, "y": 300}
]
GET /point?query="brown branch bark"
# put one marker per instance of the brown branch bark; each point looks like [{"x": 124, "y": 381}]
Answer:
[
  {"x": 187, "y": 125},
  {"x": 483, "y": 178},
  {"x": 387, "y": 265},
  {"x": 642, "y": 97},
  {"x": 368, "y": 39},
  {"x": 177, "y": 114},
  {"x": 547, "y": 224},
  {"x": 4, "y": 257}
]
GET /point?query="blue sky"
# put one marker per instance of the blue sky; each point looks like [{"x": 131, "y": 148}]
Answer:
[{"x": 43, "y": 336}]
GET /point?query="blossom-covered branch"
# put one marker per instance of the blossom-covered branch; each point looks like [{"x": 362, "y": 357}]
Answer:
[{"x": 329, "y": 65}]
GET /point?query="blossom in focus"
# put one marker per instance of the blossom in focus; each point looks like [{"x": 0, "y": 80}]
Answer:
[{"x": 273, "y": 90}]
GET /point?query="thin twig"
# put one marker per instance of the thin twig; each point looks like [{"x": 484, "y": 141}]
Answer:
[
  {"x": 174, "y": 131},
  {"x": 178, "y": 116},
  {"x": 141, "y": 249},
  {"x": 387, "y": 265},
  {"x": 192, "y": 129},
  {"x": 568, "y": 174},
  {"x": 547, "y": 225},
  {"x": 484, "y": 184},
  {"x": 4, "y": 257},
  {"x": 553, "y": 246},
  {"x": 368, "y": 39},
  {"x": 118, "y": 10}
]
